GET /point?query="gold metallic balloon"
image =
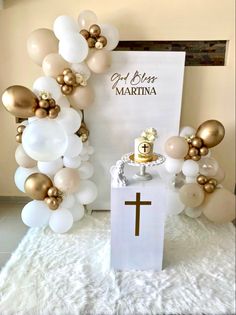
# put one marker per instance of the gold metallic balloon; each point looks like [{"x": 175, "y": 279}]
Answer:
[
  {"x": 91, "y": 42},
  {"x": 20, "y": 101},
  {"x": 69, "y": 78},
  {"x": 60, "y": 79},
  {"x": 209, "y": 188},
  {"x": 41, "y": 113},
  {"x": 211, "y": 132},
  {"x": 196, "y": 157},
  {"x": 66, "y": 89},
  {"x": 202, "y": 180},
  {"x": 66, "y": 71},
  {"x": 53, "y": 113},
  {"x": 197, "y": 142},
  {"x": 52, "y": 203},
  {"x": 102, "y": 40},
  {"x": 85, "y": 34},
  {"x": 20, "y": 128},
  {"x": 37, "y": 185},
  {"x": 52, "y": 103},
  {"x": 203, "y": 151},
  {"x": 53, "y": 192},
  {"x": 43, "y": 103},
  {"x": 95, "y": 30},
  {"x": 212, "y": 181},
  {"x": 193, "y": 151},
  {"x": 19, "y": 138}
]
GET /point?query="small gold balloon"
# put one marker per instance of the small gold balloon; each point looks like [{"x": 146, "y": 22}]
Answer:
[
  {"x": 193, "y": 151},
  {"x": 85, "y": 34},
  {"x": 19, "y": 138},
  {"x": 203, "y": 151},
  {"x": 196, "y": 157},
  {"x": 59, "y": 199},
  {"x": 53, "y": 192},
  {"x": 43, "y": 104},
  {"x": 41, "y": 113},
  {"x": 52, "y": 203},
  {"x": 102, "y": 40},
  {"x": 53, "y": 113},
  {"x": 66, "y": 71},
  {"x": 202, "y": 180},
  {"x": 66, "y": 89},
  {"x": 20, "y": 128},
  {"x": 52, "y": 102},
  {"x": 211, "y": 132},
  {"x": 37, "y": 185},
  {"x": 213, "y": 181},
  {"x": 20, "y": 101},
  {"x": 70, "y": 78},
  {"x": 209, "y": 188},
  {"x": 95, "y": 30},
  {"x": 187, "y": 157},
  {"x": 57, "y": 108},
  {"x": 189, "y": 140},
  {"x": 60, "y": 79},
  {"x": 197, "y": 142},
  {"x": 91, "y": 42}
]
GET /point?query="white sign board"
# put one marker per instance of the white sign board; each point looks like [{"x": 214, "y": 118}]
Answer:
[{"x": 141, "y": 90}]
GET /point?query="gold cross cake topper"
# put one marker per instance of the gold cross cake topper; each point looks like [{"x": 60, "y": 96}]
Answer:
[{"x": 143, "y": 145}]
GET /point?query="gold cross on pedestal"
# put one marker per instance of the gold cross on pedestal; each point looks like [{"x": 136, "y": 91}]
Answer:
[{"x": 137, "y": 203}]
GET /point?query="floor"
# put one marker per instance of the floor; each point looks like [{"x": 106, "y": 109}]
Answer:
[{"x": 12, "y": 230}]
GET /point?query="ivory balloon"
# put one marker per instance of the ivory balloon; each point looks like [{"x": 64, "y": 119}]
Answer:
[
  {"x": 87, "y": 192},
  {"x": 61, "y": 220},
  {"x": 176, "y": 147},
  {"x": 77, "y": 211},
  {"x": 112, "y": 35},
  {"x": 67, "y": 180},
  {"x": 211, "y": 132},
  {"x": 50, "y": 168},
  {"x": 73, "y": 48},
  {"x": 74, "y": 162},
  {"x": 47, "y": 84},
  {"x": 36, "y": 214},
  {"x": 63, "y": 25},
  {"x": 69, "y": 119},
  {"x": 21, "y": 174},
  {"x": 219, "y": 207},
  {"x": 86, "y": 18},
  {"x": 187, "y": 131},
  {"x": 53, "y": 65},
  {"x": 86, "y": 170},
  {"x": 74, "y": 146},
  {"x": 37, "y": 185},
  {"x": 40, "y": 43},
  {"x": 23, "y": 159},
  {"x": 82, "y": 69},
  {"x": 20, "y": 101},
  {"x": 99, "y": 61},
  {"x": 82, "y": 97},
  {"x": 192, "y": 195}
]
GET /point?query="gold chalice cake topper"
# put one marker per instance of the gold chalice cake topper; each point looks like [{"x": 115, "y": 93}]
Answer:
[{"x": 143, "y": 146}]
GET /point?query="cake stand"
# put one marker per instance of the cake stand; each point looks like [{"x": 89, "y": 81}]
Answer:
[{"x": 143, "y": 175}]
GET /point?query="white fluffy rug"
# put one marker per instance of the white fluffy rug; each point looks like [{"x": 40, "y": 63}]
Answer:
[{"x": 69, "y": 274}]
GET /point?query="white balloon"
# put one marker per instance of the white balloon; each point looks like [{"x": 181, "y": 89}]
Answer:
[
  {"x": 44, "y": 140},
  {"x": 87, "y": 192},
  {"x": 21, "y": 174},
  {"x": 36, "y": 214},
  {"x": 90, "y": 150},
  {"x": 190, "y": 179},
  {"x": 74, "y": 162},
  {"x": 47, "y": 84},
  {"x": 84, "y": 150},
  {"x": 82, "y": 69},
  {"x": 73, "y": 48},
  {"x": 173, "y": 166},
  {"x": 86, "y": 170},
  {"x": 190, "y": 168},
  {"x": 25, "y": 122},
  {"x": 112, "y": 35},
  {"x": 63, "y": 102},
  {"x": 193, "y": 212},
  {"x": 70, "y": 119},
  {"x": 77, "y": 211},
  {"x": 86, "y": 18},
  {"x": 32, "y": 119},
  {"x": 51, "y": 167},
  {"x": 208, "y": 166},
  {"x": 174, "y": 204},
  {"x": 74, "y": 146},
  {"x": 61, "y": 220},
  {"x": 187, "y": 131},
  {"x": 63, "y": 25},
  {"x": 84, "y": 157},
  {"x": 68, "y": 201}
]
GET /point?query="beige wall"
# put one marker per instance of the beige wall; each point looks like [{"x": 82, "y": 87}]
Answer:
[{"x": 208, "y": 91}]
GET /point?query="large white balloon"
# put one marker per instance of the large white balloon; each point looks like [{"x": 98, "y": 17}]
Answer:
[
  {"x": 61, "y": 220},
  {"x": 112, "y": 35},
  {"x": 174, "y": 204},
  {"x": 82, "y": 69},
  {"x": 70, "y": 119},
  {"x": 74, "y": 162},
  {"x": 187, "y": 131},
  {"x": 208, "y": 166},
  {"x": 86, "y": 170},
  {"x": 21, "y": 174},
  {"x": 74, "y": 147},
  {"x": 47, "y": 84},
  {"x": 44, "y": 140},
  {"x": 173, "y": 166},
  {"x": 63, "y": 25},
  {"x": 86, "y": 18},
  {"x": 36, "y": 214},
  {"x": 68, "y": 201},
  {"x": 51, "y": 167},
  {"x": 73, "y": 48},
  {"x": 190, "y": 168},
  {"x": 77, "y": 211},
  {"x": 87, "y": 192}
]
